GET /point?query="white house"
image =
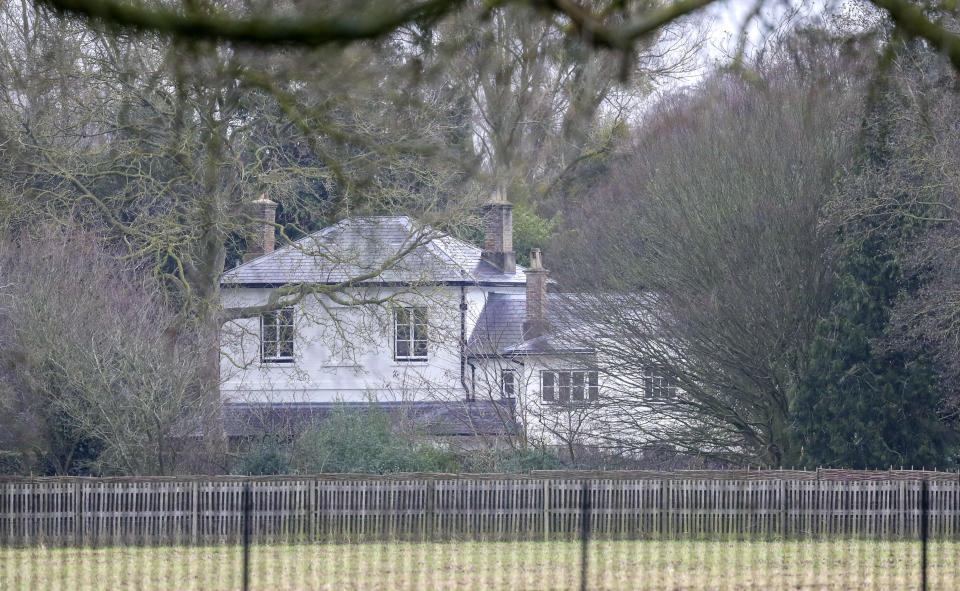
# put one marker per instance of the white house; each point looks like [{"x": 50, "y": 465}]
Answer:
[{"x": 386, "y": 309}]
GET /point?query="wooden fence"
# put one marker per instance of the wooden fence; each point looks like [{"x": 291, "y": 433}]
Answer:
[{"x": 540, "y": 505}]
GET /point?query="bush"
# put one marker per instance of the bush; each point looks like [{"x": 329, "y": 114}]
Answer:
[
  {"x": 512, "y": 460},
  {"x": 11, "y": 463},
  {"x": 264, "y": 458},
  {"x": 367, "y": 441}
]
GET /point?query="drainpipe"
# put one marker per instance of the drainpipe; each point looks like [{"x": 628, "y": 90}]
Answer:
[
  {"x": 473, "y": 377},
  {"x": 463, "y": 343}
]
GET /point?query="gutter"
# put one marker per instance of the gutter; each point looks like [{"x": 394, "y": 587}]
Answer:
[{"x": 347, "y": 284}]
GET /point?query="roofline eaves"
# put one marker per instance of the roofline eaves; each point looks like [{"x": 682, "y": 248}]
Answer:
[{"x": 271, "y": 285}]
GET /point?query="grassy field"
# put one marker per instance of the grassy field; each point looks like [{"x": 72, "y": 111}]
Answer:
[{"x": 686, "y": 565}]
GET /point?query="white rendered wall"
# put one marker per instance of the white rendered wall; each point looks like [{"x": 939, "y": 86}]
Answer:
[
  {"x": 543, "y": 422},
  {"x": 342, "y": 353},
  {"x": 346, "y": 353}
]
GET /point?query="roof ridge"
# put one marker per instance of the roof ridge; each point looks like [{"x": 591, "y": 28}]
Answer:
[
  {"x": 436, "y": 243},
  {"x": 317, "y": 234},
  {"x": 274, "y": 252},
  {"x": 452, "y": 258},
  {"x": 471, "y": 246},
  {"x": 433, "y": 243}
]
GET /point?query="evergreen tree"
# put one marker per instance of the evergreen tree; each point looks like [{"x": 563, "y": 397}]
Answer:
[
  {"x": 868, "y": 399},
  {"x": 861, "y": 405}
]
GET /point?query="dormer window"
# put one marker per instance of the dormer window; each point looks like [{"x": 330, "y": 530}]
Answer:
[
  {"x": 276, "y": 336},
  {"x": 410, "y": 334}
]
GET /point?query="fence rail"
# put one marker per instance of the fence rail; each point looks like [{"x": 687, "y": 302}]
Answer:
[{"x": 541, "y": 505}]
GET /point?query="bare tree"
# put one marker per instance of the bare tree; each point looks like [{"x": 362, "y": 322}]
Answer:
[
  {"x": 538, "y": 101},
  {"x": 92, "y": 357},
  {"x": 166, "y": 153},
  {"x": 614, "y": 25},
  {"x": 704, "y": 264}
]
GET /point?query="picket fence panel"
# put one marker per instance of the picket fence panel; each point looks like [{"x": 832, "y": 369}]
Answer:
[{"x": 543, "y": 505}]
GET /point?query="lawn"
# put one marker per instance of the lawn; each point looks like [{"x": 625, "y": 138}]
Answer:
[{"x": 680, "y": 565}]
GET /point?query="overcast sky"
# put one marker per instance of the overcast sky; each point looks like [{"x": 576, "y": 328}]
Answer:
[{"x": 725, "y": 19}]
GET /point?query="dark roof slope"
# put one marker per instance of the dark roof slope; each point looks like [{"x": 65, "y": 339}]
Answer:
[
  {"x": 434, "y": 417},
  {"x": 499, "y": 329},
  {"x": 500, "y": 324},
  {"x": 358, "y": 247}
]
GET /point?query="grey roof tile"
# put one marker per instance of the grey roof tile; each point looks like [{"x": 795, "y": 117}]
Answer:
[
  {"x": 356, "y": 250},
  {"x": 500, "y": 324},
  {"x": 499, "y": 328},
  {"x": 434, "y": 417}
]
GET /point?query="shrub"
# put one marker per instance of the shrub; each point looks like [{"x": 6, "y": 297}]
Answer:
[
  {"x": 11, "y": 463},
  {"x": 367, "y": 440},
  {"x": 264, "y": 458}
]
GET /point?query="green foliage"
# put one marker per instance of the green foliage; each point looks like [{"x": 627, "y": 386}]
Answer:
[
  {"x": 11, "y": 463},
  {"x": 512, "y": 461},
  {"x": 367, "y": 440},
  {"x": 869, "y": 397},
  {"x": 530, "y": 231},
  {"x": 374, "y": 442},
  {"x": 263, "y": 458},
  {"x": 862, "y": 406},
  {"x": 577, "y": 188}
]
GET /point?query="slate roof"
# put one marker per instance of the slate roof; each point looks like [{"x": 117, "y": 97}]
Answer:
[
  {"x": 499, "y": 328},
  {"x": 434, "y": 417},
  {"x": 358, "y": 246},
  {"x": 500, "y": 324}
]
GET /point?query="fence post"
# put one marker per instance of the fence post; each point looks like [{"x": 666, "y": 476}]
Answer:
[
  {"x": 312, "y": 504},
  {"x": 816, "y": 532},
  {"x": 784, "y": 508},
  {"x": 585, "y": 534},
  {"x": 546, "y": 509},
  {"x": 664, "y": 508},
  {"x": 195, "y": 513},
  {"x": 246, "y": 536},
  {"x": 78, "y": 512},
  {"x": 430, "y": 509},
  {"x": 902, "y": 521},
  {"x": 924, "y": 531}
]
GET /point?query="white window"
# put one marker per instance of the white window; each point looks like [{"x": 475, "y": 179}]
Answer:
[
  {"x": 276, "y": 336},
  {"x": 568, "y": 384},
  {"x": 508, "y": 383},
  {"x": 410, "y": 334},
  {"x": 658, "y": 387}
]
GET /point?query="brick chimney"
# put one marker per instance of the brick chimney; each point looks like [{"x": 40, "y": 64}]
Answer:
[
  {"x": 264, "y": 241},
  {"x": 498, "y": 233},
  {"x": 536, "y": 323}
]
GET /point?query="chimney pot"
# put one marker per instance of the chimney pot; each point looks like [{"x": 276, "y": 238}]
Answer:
[{"x": 536, "y": 260}]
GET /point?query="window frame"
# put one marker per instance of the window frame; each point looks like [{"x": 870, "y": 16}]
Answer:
[
  {"x": 508, "y": 390},
  {"x": 290, "y": 325},
  {"x": 569, "y": 385},
  {"x": 547, "y": 391},
  {"x": 414, "y": 329},
  {"x": 658, "y": 387}
]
